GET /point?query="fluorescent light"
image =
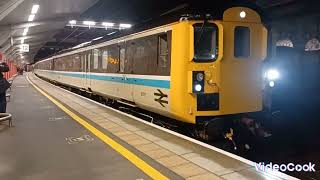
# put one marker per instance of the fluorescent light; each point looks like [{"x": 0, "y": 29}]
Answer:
[
  {"x": 107, "y": 24},
  {"x": 73, "y": 22},
  {"x": 97, "y": 38},
  {"x": 31, "y": 17},
  {"x": 25, "y": 31},
  {"x": 22, "y": 41},
  {"x": 125, "y": 25},
  {"x": 89, "y": 23},
  {"x": 111, "y": 33},
  {"x": 35, "y": 8}
]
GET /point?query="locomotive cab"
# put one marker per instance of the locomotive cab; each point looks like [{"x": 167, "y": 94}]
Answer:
[{"x": 221, "y": 74}]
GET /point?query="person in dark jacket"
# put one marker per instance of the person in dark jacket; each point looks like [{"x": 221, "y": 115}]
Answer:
[
  {"x": 4, "y": 86},
  {"x": 3, "y": 100}
]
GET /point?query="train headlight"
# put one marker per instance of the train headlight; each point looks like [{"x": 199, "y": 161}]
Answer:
[
  {"x": 271, "y": 83},
  {"x": 198, "y": 81},
  {"x": 200, "y": 76},
  {"x": 198, "y": 87},
  {"x": 272, "y": 74}
]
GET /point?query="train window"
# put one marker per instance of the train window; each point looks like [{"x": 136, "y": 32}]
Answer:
[
  {"x": 122, "y": 59},
  {"x": 241, "y": 42},
  {"x": 111, "y": 59},
  {"x": 163, "y": 51},
  {"x": 205, "y": 42},
  {"x": 96, "y": 53},
  {"x": 77, "y": 63},
  {"x": 88, "y": 62},
  {"x": 145, "y": 55},
  {"x": 105, "y": 59},
  {"x": 82, "y": 63}
]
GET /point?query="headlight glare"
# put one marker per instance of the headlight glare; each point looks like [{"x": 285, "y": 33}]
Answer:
[{"x": 272, "y": 74}]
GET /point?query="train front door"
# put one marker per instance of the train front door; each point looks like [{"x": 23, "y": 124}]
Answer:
[{"x": 241, "y": 67}]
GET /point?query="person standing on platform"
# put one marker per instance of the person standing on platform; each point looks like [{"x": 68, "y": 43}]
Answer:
[{"x": 4, "y": 85}]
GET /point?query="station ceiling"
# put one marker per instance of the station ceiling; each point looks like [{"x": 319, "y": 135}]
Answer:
[{"x": 49, "y": 34}]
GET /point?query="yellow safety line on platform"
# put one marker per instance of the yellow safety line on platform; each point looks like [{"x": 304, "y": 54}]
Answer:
[{"x": 145, "y": 167}]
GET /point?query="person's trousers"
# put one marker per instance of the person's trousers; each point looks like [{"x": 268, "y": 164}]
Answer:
[{"x": 3, "y": 107}]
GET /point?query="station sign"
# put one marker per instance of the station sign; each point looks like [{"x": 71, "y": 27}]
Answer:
[{"x": 24, "y": 48}]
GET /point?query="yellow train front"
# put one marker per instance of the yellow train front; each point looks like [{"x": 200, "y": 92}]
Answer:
[
  {"x": 195, "y": 71},
  {"x": 221, "y": 73}
]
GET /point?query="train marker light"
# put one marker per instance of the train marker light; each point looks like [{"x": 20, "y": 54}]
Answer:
[
  {"x": 198, "y": 87},
  {"x": 243, "y": 14},
  {"x": 200, "y": 77}
]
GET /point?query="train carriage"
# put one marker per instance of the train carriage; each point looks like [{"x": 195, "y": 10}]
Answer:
[{"x": 192, "y": 70}]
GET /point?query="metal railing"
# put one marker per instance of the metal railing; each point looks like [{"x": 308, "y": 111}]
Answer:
[{"x": 6, "y": 117}]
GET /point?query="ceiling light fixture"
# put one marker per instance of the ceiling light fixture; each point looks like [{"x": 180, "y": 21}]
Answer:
[
  {"x": 111, "y": 33},
  {"x": 35, "y": 8},
  {"x": 25, "y": 31},
  {"x": 73, "y": 22},
  {"x": 31, "y": 17},
  {"x": 89, "y": 23},
  {"x": 97, "y": 38},
  {"x": 125, "y": 25},
  {"x": 108, "y": 24}
]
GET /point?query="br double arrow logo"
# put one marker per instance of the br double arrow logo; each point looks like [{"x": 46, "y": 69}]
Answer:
[{"x": 160, "y": 98}]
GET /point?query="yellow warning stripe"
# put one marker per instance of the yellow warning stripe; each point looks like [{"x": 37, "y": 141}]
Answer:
[{"x": 146, "y": 168}]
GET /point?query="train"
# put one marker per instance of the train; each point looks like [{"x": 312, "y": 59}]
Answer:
[{"x": 197, "y": 71}]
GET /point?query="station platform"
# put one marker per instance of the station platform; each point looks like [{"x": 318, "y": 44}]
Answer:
[{"x": 61, "y": 135}]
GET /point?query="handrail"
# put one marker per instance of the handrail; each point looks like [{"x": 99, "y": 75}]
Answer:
[{"x": 6, "y": 117}]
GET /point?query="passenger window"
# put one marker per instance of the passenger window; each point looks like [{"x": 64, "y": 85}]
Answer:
[
  {"x": 241, "y": 42},
  {"x": 105, "y": 59},
  {"x": 122, "y": 59},
  {"x": 89, "y": 62},
  {"x": 96, "y": 58},
  {"x": 163, "y": 51}
]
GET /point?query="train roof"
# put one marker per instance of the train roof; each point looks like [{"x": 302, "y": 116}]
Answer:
[{"x": 196, "y": 10}]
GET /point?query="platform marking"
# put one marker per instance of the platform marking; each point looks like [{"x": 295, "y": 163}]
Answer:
[
  {"x": 46, "y": 107},
  {"x": 53, "y": 119},
  {"x": 76, "y": 140},
  {"x": 142, "y": 165}
]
